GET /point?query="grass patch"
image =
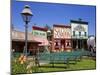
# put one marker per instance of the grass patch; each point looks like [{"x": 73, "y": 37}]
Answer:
[{"x": 84, "y": 64}]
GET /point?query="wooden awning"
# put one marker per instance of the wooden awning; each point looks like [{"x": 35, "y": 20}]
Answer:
[
  {"x": 20, "y": 36},
  {"x": 44, "y": 41}
]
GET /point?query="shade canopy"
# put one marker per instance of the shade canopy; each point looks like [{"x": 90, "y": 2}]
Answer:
[{"x": 44, "y": 41}]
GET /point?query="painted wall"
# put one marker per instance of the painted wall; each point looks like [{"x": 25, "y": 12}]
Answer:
[{"x": 61, "y": 38}]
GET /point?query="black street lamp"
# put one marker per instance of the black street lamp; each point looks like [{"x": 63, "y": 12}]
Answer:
[{"x": 26, "y": 15}]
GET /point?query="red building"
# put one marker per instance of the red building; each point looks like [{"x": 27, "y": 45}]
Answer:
[{"x": 61, "y": 38}]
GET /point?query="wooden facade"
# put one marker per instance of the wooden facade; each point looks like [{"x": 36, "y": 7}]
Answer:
[
  {"x": 79, "y": 34},
  {"x": 61, "y": 38},
  {"x": 40, "y": 35},
  {"x": 18, "y": 42}
]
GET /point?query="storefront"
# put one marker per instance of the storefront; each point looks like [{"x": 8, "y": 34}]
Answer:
[
  {"x": 61, "y": 40},
  {"x": 18, "y": 42},
  {"x": 40, "y": 35},
  {"x": 79, "y": 33}
]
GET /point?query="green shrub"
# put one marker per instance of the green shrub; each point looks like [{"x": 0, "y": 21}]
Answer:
[{"x": 18, "y": 68}]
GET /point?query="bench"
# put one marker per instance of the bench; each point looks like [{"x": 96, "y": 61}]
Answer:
[{"x": 61, "y": 57}]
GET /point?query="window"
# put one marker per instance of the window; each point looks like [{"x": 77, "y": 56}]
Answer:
[
  {"x": 35, "y": 33},
  {"x": 73, "y": 33},
  {"x": 79, "y": 33},
  {"x": 67, "y": 43},
  {"x": 85, "y": 33},
  {"x": 57, "y": 43}
]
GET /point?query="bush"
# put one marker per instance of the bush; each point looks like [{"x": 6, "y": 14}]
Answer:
[
  {"x": 18, "y": 68},
  {"x": 21, "y": 68}
]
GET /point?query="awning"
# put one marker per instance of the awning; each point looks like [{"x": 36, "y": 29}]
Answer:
[
  {"x": 20, "y": 36},
  {"x": 44, "y": 41}
]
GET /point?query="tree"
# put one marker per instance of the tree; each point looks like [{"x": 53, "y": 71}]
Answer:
[{"x": 47, "y": 26}]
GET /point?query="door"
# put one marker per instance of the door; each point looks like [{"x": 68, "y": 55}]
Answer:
[{"x": 63, "y": 44}]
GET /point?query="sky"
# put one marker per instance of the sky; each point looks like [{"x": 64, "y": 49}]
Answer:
[{"x": 52, "y": 13}]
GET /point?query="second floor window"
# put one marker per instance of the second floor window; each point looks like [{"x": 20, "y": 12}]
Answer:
[
  {"x": 73, "y": 33},
  {"x": 79, "y": 33},
  {"x": 85, "y": 34}
]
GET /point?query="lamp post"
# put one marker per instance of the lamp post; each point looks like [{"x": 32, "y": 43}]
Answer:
[
  {"x": 82, "y": 43},
  {"x": 48, "y": 34},
  {"x": 49, "y": 38},
  {"x": 26, "y": 15},
  {"x": 76, "y": 42}
]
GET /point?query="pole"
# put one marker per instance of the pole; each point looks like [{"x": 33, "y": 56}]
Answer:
[
  {"x": 82, "y": 43},
  {"x": 26, "y": 26},
  {"x": 77, "y": 42}
]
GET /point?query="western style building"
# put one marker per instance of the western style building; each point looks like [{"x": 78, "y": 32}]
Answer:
[
  {"x": 61, "y": 38},
  {"x": 18, "y": 42},
  {"x": 79, "y": 32}
]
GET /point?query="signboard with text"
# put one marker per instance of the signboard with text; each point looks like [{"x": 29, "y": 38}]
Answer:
[
  {"x": 62, "y": 32},
  {"x": 38, "y": 33},
  {"x": 79, "y": 30}
]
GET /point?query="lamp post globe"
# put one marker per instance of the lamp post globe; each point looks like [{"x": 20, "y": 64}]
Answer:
[
  {"x": 26, "y": 15},
  {"x": 49, "y": 31}
]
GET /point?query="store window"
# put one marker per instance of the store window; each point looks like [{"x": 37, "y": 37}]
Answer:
[
  {"x": 68, "y": 43},
  {"x": 57, "y": 43}
]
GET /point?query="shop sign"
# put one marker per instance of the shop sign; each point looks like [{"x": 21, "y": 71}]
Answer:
[
  {"x": 62, "y": 32},
  {"x": 79, "y": 28},
  {"x": 38, "y": 33}
]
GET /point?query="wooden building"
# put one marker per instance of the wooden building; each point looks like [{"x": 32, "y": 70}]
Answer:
[
  {"x": 18, "y": 42},
  {"x": 40, "y": 34},
  {"x": 79, "y": 34},
  {"x": 61, "y": 39}
]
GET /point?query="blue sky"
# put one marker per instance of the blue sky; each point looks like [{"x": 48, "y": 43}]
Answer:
[{"x": 52, "y": 13}]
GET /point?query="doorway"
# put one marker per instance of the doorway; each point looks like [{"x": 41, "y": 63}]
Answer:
[{"x": 63, "y": 44}]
